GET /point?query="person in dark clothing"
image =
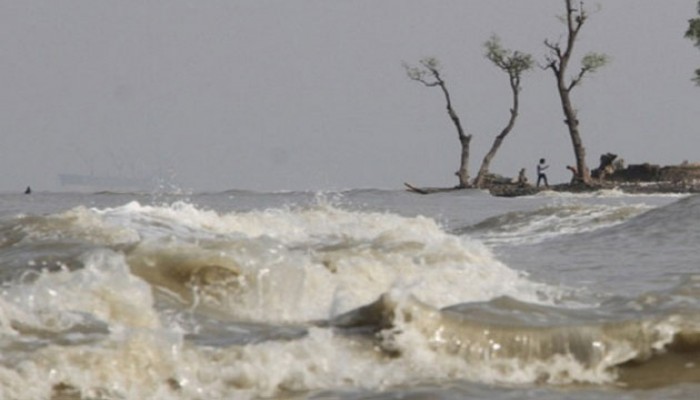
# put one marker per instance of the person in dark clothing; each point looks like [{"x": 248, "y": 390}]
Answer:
[{"x": 541, "y": 176}]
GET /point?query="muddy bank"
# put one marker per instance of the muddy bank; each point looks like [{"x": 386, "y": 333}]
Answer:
[
  {"x": 513, "y": 190},
  {"x": 635, "y": 179},
  {"x": 517, "y": 190},
  {"x": 643, "y": 178}
]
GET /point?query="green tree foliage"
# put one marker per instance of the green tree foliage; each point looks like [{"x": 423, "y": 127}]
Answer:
[
  {"x": 512, "y": 62},
  {"x": 693, "y": 33},
  {"x": 429, "y": 75},
  {"x": 558, "y": 61}
]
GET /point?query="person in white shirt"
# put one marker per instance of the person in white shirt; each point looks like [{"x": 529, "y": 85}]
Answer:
[{"x": 541, "y": 176}]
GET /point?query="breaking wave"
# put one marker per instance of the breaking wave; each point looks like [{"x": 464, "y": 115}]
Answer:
[
  {"x": 177, "y": 301},
  {"x": 551, "y": 221}
]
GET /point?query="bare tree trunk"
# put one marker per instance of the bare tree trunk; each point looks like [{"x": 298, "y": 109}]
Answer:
[
  {"x": 573, "y": 27},
  {"x": 572, "y": 123},
  {"x": 431, "y": 66},
  {"x": 512, "y": 62},
  {"x": 464, "y": 140},
  {"x": 463, "y": 173},
  {"x": 484, "y": 169},
  {"x": 558, "y": 61}
]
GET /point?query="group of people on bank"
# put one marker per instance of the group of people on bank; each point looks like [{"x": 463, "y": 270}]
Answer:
[{"x": 542, "y": 175}]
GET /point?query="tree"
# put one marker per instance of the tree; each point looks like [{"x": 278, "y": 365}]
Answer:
[
  {"x": 514, "y": 63},
  {"x": 693, "y": 33},
  {"x": 558, "y": 61},
  {"x": 429, "y": 75}
]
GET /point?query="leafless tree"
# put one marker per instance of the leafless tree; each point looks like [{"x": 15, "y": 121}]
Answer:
[{"x": 557, "y": 60}]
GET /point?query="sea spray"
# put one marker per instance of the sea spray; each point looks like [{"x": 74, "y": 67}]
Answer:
[
  {"x": 218, "y": 296},
  {"x": 551, "y": 221},
  {"x": 303, "y": 264}
]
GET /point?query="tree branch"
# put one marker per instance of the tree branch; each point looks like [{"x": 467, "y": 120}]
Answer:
[{"x": 575, "y": 80}]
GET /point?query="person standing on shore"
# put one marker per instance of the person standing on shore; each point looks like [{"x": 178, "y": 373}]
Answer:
[{"x": 541, "y": 176}]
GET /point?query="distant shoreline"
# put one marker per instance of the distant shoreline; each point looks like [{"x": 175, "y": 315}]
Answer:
[
  {"x": 516, "y": 190},
  {"x": 643, "y": 178},
  {"x": 662, "y": 187}
]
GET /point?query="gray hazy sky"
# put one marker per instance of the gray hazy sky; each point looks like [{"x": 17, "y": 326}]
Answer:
[{"x": 311, "y": 94}]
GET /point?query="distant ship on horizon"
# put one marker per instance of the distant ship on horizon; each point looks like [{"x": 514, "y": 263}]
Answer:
[{"x": 99, "y": 182}]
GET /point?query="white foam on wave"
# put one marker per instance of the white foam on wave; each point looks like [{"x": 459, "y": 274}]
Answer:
[
  {"x": 296, "y": 264},
  {"x": 442, "y": 346},
  {"x": 531, "y": 227},
  {"x": 104, "y": 300},
  {"x": 104, "y": 289},
  {"x": 79, "y": 223},
  {"x": 141, "y": 356},
  {"x": 603, "y": 193},
  {"x": 147, "y": 365}
]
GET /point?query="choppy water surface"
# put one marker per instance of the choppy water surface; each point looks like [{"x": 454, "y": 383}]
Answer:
[{"x": 353, "y": 295}]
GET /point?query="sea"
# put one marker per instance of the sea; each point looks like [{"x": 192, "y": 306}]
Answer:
[{"x": 354, "y": 294}]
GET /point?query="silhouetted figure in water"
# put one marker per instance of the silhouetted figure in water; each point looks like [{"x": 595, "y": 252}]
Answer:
[
  {"x": 28, "y": 190},
  {"x": 541, "y": 176}
]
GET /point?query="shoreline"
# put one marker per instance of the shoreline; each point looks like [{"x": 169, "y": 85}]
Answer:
[
  {"x": 661, "y": 187},
  {"x": 518, "y": 190}
]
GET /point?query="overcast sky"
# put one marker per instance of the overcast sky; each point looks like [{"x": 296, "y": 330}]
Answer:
[{"x": 302, "y": 94}]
